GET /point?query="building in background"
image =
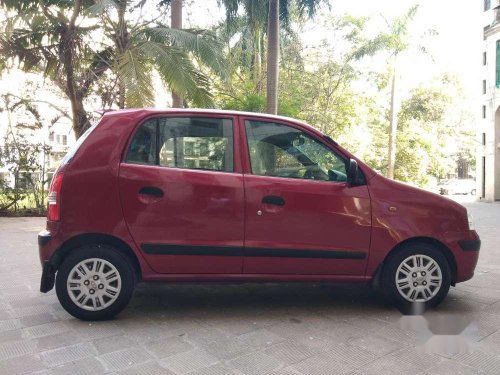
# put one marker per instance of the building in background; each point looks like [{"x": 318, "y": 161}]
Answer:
[{"x": 488, "y": 155}]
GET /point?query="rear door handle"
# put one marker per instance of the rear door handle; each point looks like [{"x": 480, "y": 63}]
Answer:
[
  {"x": 151, "y": 190},
  {"x": 274, "y": 200}
]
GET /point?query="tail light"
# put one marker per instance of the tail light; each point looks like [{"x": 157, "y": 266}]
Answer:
[{"x": 54, "y": 197}]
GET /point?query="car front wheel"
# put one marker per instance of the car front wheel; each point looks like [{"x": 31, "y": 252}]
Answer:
[
  {"x": 417, "y": 277},
  {"x": 95, "y": 282}
]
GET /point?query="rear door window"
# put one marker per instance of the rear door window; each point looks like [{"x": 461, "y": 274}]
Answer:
[{"x": 184, "y": 142}]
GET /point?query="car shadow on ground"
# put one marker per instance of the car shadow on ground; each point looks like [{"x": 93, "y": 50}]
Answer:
[{"x": 200, "y": 301}]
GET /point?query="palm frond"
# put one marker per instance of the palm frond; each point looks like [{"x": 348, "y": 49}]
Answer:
[
  {"x": 178, "y": 72},
  {"x": 201, "y": 43},
  {"x": 135, "y": 75}
]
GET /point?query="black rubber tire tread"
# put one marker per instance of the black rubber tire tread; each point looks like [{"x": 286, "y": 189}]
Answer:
[
  {"x": 122, "y": 264},
  {"x": 391, "y": 265}
]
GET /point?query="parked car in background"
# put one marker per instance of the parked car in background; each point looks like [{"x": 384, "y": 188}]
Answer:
[
  {"x": 458, "y": 186},
  {"x": 206, "y": 195}
]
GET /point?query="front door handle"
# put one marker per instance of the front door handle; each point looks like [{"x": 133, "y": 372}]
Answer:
[
  {"x": 274, "y": 200},
  {"x": 152, "y": 191}
]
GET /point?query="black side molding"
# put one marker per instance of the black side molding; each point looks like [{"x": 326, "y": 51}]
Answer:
[
  {"x": 164, "y": 249},
  {"x": 299, "y": 253},
  {"x": 470, "y": 245}
]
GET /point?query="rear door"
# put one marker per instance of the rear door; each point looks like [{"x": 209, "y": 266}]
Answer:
[
  {"x": 301, "y": 216},
  {"x": 182, "y": 194}
]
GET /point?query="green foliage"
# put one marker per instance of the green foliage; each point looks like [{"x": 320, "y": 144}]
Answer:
[{"x": 21, "y": 156}]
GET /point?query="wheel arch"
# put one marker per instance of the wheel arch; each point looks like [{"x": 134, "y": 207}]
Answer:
[
  {"x": 414, "y": 240},
  {"x": 97, "y": 239}
]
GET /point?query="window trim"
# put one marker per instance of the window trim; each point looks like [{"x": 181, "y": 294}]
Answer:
[
  {"x": 159, "y": 116},
  {"x": 246, "y": 147}
]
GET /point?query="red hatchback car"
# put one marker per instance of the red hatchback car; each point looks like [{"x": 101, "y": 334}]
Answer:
[{"x": 201, "y": 195}]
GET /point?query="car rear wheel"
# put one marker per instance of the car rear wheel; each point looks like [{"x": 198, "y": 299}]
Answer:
[
  {"x": 95, "y": 282},
  {"x": 417, "y": 277}
]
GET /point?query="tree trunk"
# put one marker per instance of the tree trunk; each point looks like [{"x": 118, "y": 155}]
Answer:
[
  {"x": 68, "y": 32},
  {"x": 272, "y": 56},
  {"x": 176, "y": 23},
  {"x": 393, "y": 125}
]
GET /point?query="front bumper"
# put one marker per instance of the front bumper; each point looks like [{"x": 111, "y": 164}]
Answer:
[{"x": 470, "y": 245}]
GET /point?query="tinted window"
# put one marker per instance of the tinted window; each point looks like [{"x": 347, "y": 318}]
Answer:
[
  {"x": 143, "y": 147},
  {"x": 185, "y": 142},
  {"x": 283, "y": 151}
]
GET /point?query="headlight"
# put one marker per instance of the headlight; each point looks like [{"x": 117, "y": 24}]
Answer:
[{"x": 471, "y": 222}]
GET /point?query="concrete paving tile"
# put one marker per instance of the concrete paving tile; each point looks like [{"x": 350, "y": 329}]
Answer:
[
  {"x": 447, "y": 367},
  {"x": 322, "y": 364},
  {"x": 213, "y": 370},
  {"x": 257, "y": 363},
  {"x": 9, "y": 325},
  {"x": 487, "y": 362},
  {"x": 189, "y": 361},
  {"x": 123, "y": 359},
  {"x": 46, "y": 329},
  {"x": 376, "y": 344},
  {"x": 147, "y": 368},
  {"x": 20, "y": 365},
  {"x": 86, "y": 366},
  {"x": 290, "y": 352},
  {"x": 112, "y": 343},
  {"x": 404, "y": 362},
  {"x": 261, "y": 338},
  {"x": 16, "y": 349},
  {"x": 167, "y": 347},
  {"x": 57, "y": 357}
]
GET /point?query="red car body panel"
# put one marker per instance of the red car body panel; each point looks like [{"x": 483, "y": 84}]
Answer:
[{"x": 358, "y": 225}]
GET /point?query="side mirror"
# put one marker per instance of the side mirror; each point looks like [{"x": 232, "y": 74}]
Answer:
[{"x": 352, "y": 172}]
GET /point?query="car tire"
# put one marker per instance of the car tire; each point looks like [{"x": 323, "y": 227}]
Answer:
[
  {"x": 95, "y": 282},
  {"x": 416, "y": 277}
]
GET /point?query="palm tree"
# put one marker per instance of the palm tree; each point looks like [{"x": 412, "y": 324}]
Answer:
[
  {"x": 273, "y": 49},
  {"x": 270, "y": 13},
  {"x": 397, "y": 40},
  {"x": 176, "y": 23},
  {"x": 47, "y": 37},
  {"x": 145, "y": 46}
]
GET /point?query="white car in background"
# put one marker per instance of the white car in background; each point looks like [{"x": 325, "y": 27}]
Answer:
[{"x": 458, "y": 186}]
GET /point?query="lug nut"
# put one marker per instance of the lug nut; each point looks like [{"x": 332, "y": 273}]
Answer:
[
  {"x": 86, "y": 282},
  {"x": 414, "y": 274},
  {"x": 415, "y": 284},
  {"x": 96, "y": 277},
  {"x": 91, "y": 291},
  {"x": 423, "y": 273},
  {"x": 100, "y": 286},
  {"x": 424, "y": 282}
]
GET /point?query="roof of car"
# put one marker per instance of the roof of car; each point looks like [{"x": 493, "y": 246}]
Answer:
[{"x": 199, "y": 111}]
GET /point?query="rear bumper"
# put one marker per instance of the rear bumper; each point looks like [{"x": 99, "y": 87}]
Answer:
[{"x": 48, "y": 272}]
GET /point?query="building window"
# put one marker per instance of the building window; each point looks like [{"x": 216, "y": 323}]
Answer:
[
  {"x": 487, "y": 5},
  {"x": 64, "y": 140},
  {"x": 498, "y": 65},
  {"x": 484, "y": 139},
  {"x": 51, "y": 136},
  {"x": 484, "y": 86},
  {"x": 484, "y": 111},
  {"x": 484, "y": 58}
]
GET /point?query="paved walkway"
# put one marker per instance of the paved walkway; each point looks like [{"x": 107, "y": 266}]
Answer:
[{"x": 249, "y": 329}]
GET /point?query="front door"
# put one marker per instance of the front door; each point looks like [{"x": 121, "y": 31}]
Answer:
[
  {"x": 182, "y": 195},
  {"x": 301, "y": 216}
]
